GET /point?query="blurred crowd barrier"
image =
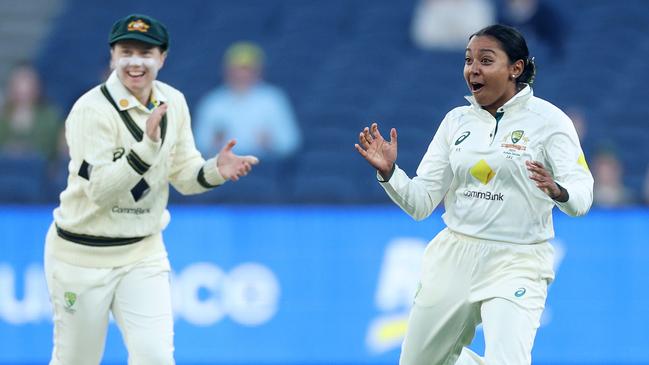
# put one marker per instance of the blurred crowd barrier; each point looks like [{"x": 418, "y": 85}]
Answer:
[
  {"x": 315, "y": 285},
  {"x": 344, "y": 64}
]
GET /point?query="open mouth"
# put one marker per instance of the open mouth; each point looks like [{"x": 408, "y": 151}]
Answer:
[
  {"x": 476, "y": 87},
  {"x": 135, "y": 74}
]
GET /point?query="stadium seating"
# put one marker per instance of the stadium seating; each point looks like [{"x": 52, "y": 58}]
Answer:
[
  {"x": 22, "y": 179},
  {"x": 345, "y": 63}
]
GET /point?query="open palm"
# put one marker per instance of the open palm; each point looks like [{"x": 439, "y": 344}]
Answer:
[
  {"x": 380, "y": 153},
  {"x": 231, "y": 166}
]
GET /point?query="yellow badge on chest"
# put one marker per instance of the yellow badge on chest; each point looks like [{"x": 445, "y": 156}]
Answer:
[{"x": 482, "y": 172}]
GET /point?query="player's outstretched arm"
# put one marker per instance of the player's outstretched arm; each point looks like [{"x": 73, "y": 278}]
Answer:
[
  {"x": 380, "y": 153},
  {"x": 232, "y": 166}
]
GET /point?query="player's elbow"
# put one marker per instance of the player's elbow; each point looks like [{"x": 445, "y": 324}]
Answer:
[
  {"x": 419, "y": 218},
  {"x": 577, "y": 209},
  {"x": 420, "y": 215},
  {"x": 583, "y": 203},
  {"x": 579, "y": 212},
  {"x": 422, "y": 211}
]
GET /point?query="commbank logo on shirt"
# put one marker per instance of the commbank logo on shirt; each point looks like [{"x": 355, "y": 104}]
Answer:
[
  {"x": 136, "y": 211},
  {"x": 486, "y": 195}
]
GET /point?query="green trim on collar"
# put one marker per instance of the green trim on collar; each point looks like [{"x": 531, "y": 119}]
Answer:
[{"x": 130, "y": 124}]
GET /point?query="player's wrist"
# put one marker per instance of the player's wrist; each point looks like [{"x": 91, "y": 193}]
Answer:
[
  {"x": 386, "y": 174},
  {"x": 562, "y": 196}
]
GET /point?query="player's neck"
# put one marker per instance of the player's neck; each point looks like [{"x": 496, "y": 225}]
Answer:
[{"x": 143, "y": 96}]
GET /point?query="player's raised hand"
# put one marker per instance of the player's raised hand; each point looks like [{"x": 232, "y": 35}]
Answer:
[
  {"x": 543, "y": 179},
  {"x": 232, "y": 166},
  {"x": 153, "y": 123},
  {"x": 380, "y": 153}
]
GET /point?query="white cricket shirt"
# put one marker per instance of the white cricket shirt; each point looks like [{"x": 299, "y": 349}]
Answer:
[
  {"x": 118, "y": 182},
  {"x": 477, "y": 165}
]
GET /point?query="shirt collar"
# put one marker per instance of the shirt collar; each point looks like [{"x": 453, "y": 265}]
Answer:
[
  {"x": 517, "y": 100},
  {"x": 123, "y": 97}
]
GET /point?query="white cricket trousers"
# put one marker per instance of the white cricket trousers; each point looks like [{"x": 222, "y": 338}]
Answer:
[
  {"x": 466, "y": 281},
  {"x": 139, "y": 297}
]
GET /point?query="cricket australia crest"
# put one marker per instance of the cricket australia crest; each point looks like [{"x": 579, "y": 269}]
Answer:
[
  {"x": 517, "y": 135},
  {"x": 69, "y": 300}
]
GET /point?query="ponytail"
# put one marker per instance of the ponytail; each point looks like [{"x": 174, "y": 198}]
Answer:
[{"x": 529, "y": 72}]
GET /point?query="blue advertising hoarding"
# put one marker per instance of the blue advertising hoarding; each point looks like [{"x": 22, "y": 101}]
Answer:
[{"x": 333, "y": 285}]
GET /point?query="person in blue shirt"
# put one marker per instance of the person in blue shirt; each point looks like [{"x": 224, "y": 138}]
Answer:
[{"x": 257, "y": 114}]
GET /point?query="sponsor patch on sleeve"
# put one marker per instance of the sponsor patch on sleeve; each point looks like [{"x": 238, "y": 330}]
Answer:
[{"x": 582, "y": 161}]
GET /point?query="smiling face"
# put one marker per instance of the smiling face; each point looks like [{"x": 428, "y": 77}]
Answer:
[
  {"x": 488, "y": 72},
  {"x": 137, "y": 66}
]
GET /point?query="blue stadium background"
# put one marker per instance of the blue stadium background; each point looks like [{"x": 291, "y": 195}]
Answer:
[{"x": 316, "y": 242}]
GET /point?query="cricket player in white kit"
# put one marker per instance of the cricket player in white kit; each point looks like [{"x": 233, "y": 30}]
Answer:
[
  {"x": 128, "y": 138},
  {"x": 501, "y": 165}
]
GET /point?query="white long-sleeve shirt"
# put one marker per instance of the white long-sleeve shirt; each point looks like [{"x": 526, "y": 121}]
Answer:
[
  {"x": 118, "y": 182},
  {"x": 477, "y": 165}
]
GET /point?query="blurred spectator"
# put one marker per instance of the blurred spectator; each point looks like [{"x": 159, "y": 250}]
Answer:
[
  {"x": 609, "y": 190},
  {"x": 539, "y": 18},
  {"x": 258, "y": 115},
  {"x": 28, "y": 125},
  {"x": 579, "y": 120},
  {"x": 447, "y": 24},
  {"x": 645, "y": 187}
]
